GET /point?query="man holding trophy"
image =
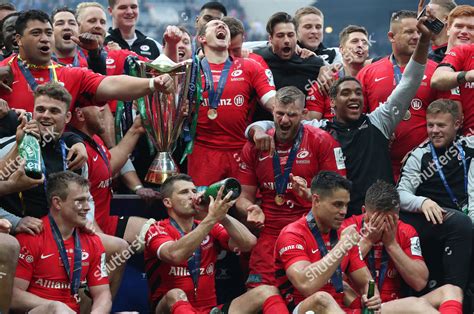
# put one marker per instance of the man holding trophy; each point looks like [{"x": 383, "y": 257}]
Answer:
[{"x": 229, "y": 85}]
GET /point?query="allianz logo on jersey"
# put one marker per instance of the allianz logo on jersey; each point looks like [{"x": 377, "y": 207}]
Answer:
[
  {"x": 180, "y": 271},
  {"x": 51, "y": 284},
  {"x": 238, "y": 101}
]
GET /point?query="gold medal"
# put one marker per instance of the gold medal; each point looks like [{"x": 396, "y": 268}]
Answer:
[
  {"x": 279, "y": 199},
  {"x": 212, "y": 114},
  {"x": 407, "y": 116}
]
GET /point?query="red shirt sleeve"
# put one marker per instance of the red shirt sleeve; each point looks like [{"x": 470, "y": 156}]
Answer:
[
  {"x": 354, "y": 261},
  {"x": 157, "y": 235},
  {"x": 330, "y": 154},
  {"x": 290, "y": 248},
  {"x": 455, "y": 58},
  {"x": 409, "y": 241},
  {"x": 97, "y": 274},
  {"x": 247, "y": 175},
  {"x": 262, "y": 80},
  {"x": 219, "y": 233},
  {"x": 29, "y": 253},
  {"x": 315, "y": 100}
]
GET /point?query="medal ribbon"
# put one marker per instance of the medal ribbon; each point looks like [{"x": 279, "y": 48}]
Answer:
[
  {"x": 336, "y": 278},
  {"x": 214, "y": 96},
  {"x": 439, "y": 169},
  {"x": 194, "y": 262},
  {"x": 96, "y": 146},
  {"x": 397, "y": 72},
  {"x": 383, "y": 265},
  {"x": 76, "y": 273},
  {"x": 281, "y": 180},
  {"x": 30, "y": 78}
]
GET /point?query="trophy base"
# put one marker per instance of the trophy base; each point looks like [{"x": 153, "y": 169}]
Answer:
[{"x": 161, "y": 169}]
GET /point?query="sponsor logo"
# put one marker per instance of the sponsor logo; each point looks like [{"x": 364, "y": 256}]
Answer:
[
  {"x": 269, "y": 75},
  {"x": 415, "y": 246},
  {"x": 29, "y": 259},
  {"x": 210, "y": 269},
  {"x": 46, "y": 256},
  {"x": 109, "y": 61},
  {"x": 95, "y": 158},
  {"x": 51, "y": 284},
  {"x": 416, "y": 104},
  {"x": 291, "y": 247},
  {"x": 144, "y": 47},
  {"x": 339, "y": 156},
  {"x": 236, "y": 73},
  {"x": 179, "y": 271},
  {"x": 302, "y": 154},
  {"x": 206, "y": 240},
  {"x": 105, "y": 183},
  {"x": 424, "y": 77},
  {"x": 263, "y": 158},
  {"x": 314, "y": 251},
  {"x": 392, "y": 273},
  {"x": 103, "y": 265},
  {"x": 239, "y": 100},
  {"x": 85, "y": 255},
  {"x": 378, "y": 79}
]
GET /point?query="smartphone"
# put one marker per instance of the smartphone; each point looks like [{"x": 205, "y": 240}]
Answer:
[{"x": 436, "y": 26}]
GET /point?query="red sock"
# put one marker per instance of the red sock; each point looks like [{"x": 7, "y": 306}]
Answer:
[
  {"x": 275, "y": 304},
  {"x": 450, "y": 307},
  {"x": 182, "y": 307}
]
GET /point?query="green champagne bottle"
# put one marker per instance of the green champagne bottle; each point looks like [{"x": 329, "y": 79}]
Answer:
[
  {"x": 370, "y": 293},
  {"x": 30, "y": 150},
  {"x": 230, "y": 184}
]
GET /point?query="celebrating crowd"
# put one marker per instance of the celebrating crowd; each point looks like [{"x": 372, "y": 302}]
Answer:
[{"x": 356, "y": 188}]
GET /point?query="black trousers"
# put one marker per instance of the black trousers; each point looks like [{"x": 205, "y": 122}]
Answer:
[{"x": 446, "y": 247}]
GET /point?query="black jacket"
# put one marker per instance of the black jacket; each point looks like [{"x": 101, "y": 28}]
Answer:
[{"x": 144, "y": 46}]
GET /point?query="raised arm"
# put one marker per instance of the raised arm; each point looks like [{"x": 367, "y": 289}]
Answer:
[
  {"x": 179, "y": 251},
  {"x": 389, "y": 115}
]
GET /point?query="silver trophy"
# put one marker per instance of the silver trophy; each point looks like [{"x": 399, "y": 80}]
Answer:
[{"x": 163, "y": 115}]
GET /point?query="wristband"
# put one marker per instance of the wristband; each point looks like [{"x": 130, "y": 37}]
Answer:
[
  {"x": 151, "y": 84},
  {"x": 461, "y": 78},
  {"x": 137, "y": 187}
]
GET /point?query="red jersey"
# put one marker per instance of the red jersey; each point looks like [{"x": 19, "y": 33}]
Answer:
[
  {"x": 317, "y": 101},
  {"x": 246, "y": 77},
  {"x": 79, "y": 60},
  {"x": 461, "y": 58},
  {"x": 408, "y": 239},
  {"x": 296, "y": 243},
  {"x": 76, "y": 80},
  {"x": 318, "y": 151},
  {"x": 378, "y": 82},
  {"x": 100, "y": 179},
  {"x": 40, "y": 264},
  {"x": 163, "y": 277}
]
